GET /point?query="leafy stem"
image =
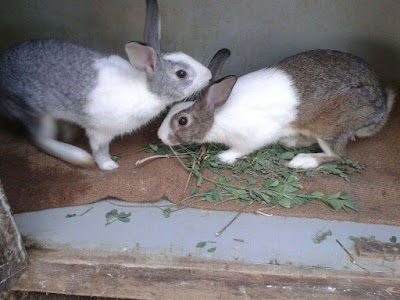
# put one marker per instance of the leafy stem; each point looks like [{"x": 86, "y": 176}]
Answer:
[{"x": 281, "y": 188}]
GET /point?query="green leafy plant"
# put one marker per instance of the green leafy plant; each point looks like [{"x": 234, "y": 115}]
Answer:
[
  {"x": 113, "y": 216},
  {"x": 262, "y": 176}
]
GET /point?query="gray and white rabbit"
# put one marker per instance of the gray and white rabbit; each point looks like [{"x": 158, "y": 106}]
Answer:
[
  {"x": 320, "y": 96},
  {"x": 42, "y": 81}
]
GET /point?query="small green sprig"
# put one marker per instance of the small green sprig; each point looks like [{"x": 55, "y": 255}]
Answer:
[
  {"x": 113, "y": 216},
  {"x": 80, "y": 215}
]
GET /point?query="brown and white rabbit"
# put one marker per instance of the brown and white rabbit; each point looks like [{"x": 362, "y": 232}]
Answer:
[
  {"x": 45, "y": 81},
  {"x": 321, "y": 96}
]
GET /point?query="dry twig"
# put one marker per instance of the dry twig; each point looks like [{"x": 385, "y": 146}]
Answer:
[
  {"x": 352, "y": 258},
  {"x": 237, "y": 215}
]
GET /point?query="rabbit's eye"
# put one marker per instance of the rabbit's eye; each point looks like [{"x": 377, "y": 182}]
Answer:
[
  {"x": 183, "y": 121},
  {"x": 181, "y": 74}
]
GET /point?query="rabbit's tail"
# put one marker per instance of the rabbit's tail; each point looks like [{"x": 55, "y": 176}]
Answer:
[
  {"x": 377, "y": 125},
  {"x": 390, "y": 99},
  {"x": 66, "y": 152},
  {"x": 44, "y": 135}
]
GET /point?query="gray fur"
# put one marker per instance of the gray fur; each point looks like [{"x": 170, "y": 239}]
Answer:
[
  {"x": 164, "y": 82},
  {"x": 217, "y": 62},
  {"x": 152, "y": 31},
  {"x": 46, "y": 77},
  {"x": 42, "y": 81},
  {"x": 45, "y": 81}
]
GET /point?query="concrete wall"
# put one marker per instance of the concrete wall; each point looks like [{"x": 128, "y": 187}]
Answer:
[{"x": 258, "y": 32}]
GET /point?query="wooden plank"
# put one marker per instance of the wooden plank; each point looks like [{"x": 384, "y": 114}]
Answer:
[
  {"x": 18, "y": 295},
  {"x": 131, "y": 276},
  {"x": 376, "y": 249},
  {"x": 12, "y": 251}
]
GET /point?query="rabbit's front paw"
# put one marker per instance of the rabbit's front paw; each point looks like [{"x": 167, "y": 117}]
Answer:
[
  {"x": 108, "y": 165},
  {"x": 229, "y": 157},
  {"x": 304, "y": 161}
]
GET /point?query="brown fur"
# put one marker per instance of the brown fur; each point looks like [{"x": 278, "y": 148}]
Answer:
[
  {"x": 340, "y": 97},
  {"x": 191, "y": 132},
  {"x": 200, "y": 115}
]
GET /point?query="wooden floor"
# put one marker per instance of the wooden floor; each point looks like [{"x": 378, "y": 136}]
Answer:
[
  {"x": 153, "y": 257},
  {"x": 18, "y": 295},
  {"x": 127, "y": 277}
]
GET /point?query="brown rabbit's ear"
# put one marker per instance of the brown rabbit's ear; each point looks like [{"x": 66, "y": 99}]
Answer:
[
  {"x": 219, "y": 92},
  {"x": 141, "y": 56},
  {"x": 217, "y": 62}
]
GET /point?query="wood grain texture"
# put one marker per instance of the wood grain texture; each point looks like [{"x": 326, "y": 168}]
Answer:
[
  {"x": 12, "y": 251},
  {"x": 148, "y": 277},
  {"x": 18, "y": 295},
  {"x": 375, "y": 249}
]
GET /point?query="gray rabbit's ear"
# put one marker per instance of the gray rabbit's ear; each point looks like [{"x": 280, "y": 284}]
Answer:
[
  {"x": 219, "y": 92},
  {"x": 141, "y": 56},
  {"x": 152, "y": 28},
  {"x": 217, "y": 62}
]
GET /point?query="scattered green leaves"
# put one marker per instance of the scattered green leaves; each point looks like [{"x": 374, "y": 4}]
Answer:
[
  {"x": 153, "y": 147},
  {"x": 201, "y": 245},
  {"x": 113, "y": 216},
  {"x": 321, "y": 236},
  {"x": 194, "y": 191},
  {"x": 366, "y": 239},
  {"x": 262, "y": 176},
  {"x": 287, "y": 155},
  {"x": 167, "y": 212}
]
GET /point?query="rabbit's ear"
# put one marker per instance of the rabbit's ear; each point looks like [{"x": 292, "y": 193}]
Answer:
[
  {"x": 152, "y": 28},
  {"x": 217, "y": 62},
  {"x": 141, "y": 56},
  {"x": 219, "y": 92}
]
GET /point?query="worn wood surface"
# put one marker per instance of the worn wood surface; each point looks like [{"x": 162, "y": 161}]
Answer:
[
  {"x": 12, "y": 251},
  {"x": 138, "y": 277},
  {"x": 18, "y": 295},
  {"x": 376, "y": 249}
]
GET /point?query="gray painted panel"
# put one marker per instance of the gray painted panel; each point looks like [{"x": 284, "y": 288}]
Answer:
[
  {"x": 267, "y": 240},
  {"x": 258, "y": 32}
]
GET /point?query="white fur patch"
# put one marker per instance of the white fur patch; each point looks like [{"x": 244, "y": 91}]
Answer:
[
  {"x": 108, "y": 165},
  {"x": 258, "y": 112},
  {"x": 304, "y": 161},
  {"x": 229, "y": 157},
  {"x": 121, "y": 101},
  {"x": 165, "y": 129}
]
